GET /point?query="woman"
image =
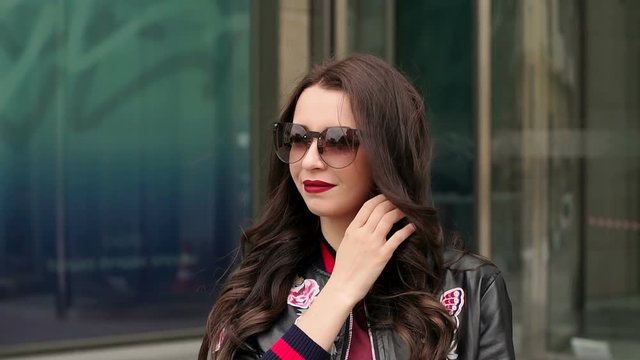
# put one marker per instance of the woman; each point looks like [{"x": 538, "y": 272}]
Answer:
[{"x": 348, "y": 259}]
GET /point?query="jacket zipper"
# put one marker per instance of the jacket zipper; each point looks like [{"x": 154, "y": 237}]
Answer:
[
  {"x": 350, "y": 333},
  {"x": 366, "y": 315},
  {"x": 373, "y": 352}
]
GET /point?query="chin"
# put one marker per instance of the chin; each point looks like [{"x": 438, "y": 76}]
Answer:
[
  {"x": 325, "y": 209},
  {"x": 323, "y": 212},
  {"x": 330, "y": 210}
]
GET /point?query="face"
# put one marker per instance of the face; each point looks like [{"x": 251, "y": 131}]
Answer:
[{"x": 347, "y": 188}]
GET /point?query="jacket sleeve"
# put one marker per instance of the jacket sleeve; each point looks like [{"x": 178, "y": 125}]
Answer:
[
  {"x": 294, "y": 344},
  {"x": 496, "y": 334}
]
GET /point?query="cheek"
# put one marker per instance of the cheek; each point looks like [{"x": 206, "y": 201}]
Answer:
[
  {"x": 363, "y": 171},
  {"x": 294, "y": 171},
  {"x": 360, "y": 182}
]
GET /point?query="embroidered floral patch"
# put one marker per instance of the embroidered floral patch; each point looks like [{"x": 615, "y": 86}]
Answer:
[
  {"x": 453, "y": 300},
  {"x": 302, "y": 293}
]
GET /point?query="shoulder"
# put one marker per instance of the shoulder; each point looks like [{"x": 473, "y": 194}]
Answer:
[
  {"x": 475, "y": 293},
  {"x": 463, "y": 268},
  {"x": 460, "y": 260}
]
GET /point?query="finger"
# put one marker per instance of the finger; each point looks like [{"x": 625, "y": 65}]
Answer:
[
  {"x": 365, "y": 211},
  {"x": 385, "y": 223},
  {"x": 399, "y": 237},
  {"x": 378, "y": 214}
]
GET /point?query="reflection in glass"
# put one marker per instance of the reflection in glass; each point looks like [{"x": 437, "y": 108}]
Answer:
[{"x": 566, "y": 174}]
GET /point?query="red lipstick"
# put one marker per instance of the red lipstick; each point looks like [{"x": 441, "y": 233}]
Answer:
[{"x": 316, "y": 186}]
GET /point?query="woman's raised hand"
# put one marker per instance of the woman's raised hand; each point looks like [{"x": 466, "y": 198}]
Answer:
[
  {"x": 365, "y": 250},
  {"x": 361, "y": 257}
]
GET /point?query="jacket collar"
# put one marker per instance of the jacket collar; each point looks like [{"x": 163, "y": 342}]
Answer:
[{"x": 328, "y": 255}]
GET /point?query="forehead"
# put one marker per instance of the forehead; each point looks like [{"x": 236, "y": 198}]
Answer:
[{"x": 319, "y": 108}]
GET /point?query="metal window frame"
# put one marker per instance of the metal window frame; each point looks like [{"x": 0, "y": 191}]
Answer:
[
  {"x": 483, "y": 128},
  {"x": 264, "y": 92}
]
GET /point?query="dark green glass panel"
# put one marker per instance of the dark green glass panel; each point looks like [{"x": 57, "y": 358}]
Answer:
[
  {"x": 124, "y": 162},
  {"x": 434, "y": 47}
]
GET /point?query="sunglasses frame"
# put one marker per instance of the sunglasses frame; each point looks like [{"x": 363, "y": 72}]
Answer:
[{"x": 320, "y": 144}]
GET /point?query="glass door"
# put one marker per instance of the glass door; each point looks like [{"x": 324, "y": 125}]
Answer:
[
  {"x": 566, "y": 173},
  {"x": 611, "y": 187}
]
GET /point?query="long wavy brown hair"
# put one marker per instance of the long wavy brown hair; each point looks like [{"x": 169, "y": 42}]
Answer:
[{"x": 390, "y": 115}]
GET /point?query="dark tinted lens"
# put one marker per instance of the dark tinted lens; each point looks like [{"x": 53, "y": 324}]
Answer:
[
  {"x": 340, "y": 146},
  {"x": 290, "y": 143}
]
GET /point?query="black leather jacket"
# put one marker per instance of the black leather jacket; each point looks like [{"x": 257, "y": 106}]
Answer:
[{"x": 474, "y": 292}]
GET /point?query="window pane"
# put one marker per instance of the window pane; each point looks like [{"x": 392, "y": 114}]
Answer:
[
  {"x": 566, "y": 173},
  {"x": 612, "y": 172},
  {"x": 434, "y": 48},
  {"x": 124, "y": 159}
]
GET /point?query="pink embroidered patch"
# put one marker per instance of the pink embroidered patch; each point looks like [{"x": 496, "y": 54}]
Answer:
[
  {"x": 453, "y": 300},
  {"x": 302, "y": 295},
  {"x": 219, "y": 343}
]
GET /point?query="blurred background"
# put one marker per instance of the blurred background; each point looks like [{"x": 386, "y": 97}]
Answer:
[{"x": 134, "y": 134}]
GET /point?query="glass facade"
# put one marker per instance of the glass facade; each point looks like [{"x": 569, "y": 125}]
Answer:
[
  {"x": 566, "y": 161},
  {"x": 434, "y": 47},
  {"x": 124, "y": 164}
]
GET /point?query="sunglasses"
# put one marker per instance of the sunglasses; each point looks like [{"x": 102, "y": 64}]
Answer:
[{"x": 337, "y": 145}]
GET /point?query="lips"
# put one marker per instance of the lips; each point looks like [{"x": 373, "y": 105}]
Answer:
[{"x": 316, "y": 186}]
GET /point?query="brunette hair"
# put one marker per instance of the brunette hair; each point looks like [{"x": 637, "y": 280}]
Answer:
[{"x": 390, "y": 115}]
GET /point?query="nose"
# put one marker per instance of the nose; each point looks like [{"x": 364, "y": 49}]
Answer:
[{"x": 311, "y": 159}]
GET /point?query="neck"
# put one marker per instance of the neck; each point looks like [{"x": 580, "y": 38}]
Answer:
[{"x": 333, "y": 229}]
